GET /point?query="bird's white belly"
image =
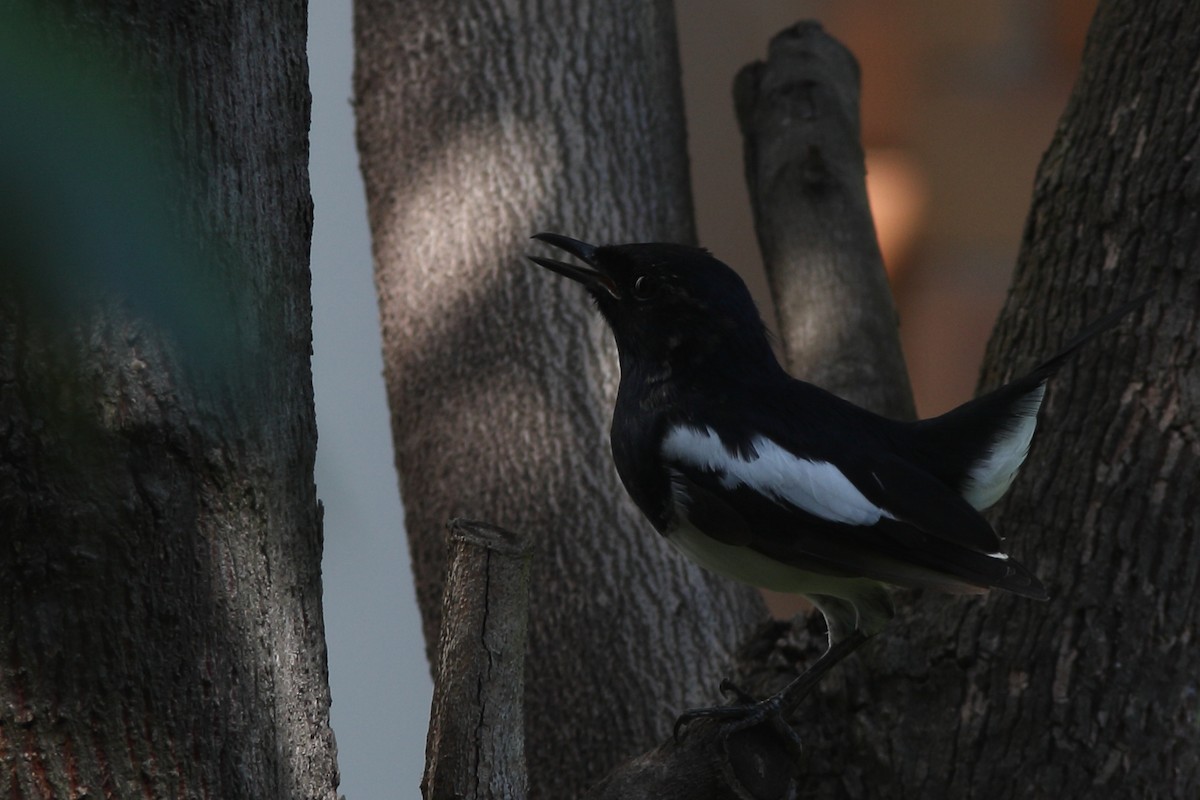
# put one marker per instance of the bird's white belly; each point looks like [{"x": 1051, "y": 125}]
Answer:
[
  {"x": 749, "y": 566},
  {"x": 847, "y": 603}
]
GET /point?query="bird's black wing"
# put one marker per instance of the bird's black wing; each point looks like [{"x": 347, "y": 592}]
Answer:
[
  {"x": 865, "y": 512},
  {"x": 888, "y": 551}
]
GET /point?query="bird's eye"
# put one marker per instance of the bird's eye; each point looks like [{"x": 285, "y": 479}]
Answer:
[{"x": 647, "y": 287}]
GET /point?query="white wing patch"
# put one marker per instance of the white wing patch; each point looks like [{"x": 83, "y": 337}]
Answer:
[
  {"x": 989, "y": 479},
  {"x": 817, "y": 487}
]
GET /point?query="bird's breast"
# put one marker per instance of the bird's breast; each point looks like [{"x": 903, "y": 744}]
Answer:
[{"x": 746, "y": 565}]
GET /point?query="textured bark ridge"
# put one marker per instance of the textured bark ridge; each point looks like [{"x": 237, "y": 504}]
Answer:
[
  {"x": 478, "y": 125},
  {"x": 1100, "y": 687},
  {"x": 160, "y": 599}
]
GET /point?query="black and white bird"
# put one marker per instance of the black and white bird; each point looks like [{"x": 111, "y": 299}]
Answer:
[{"x": 780, "y": 484}]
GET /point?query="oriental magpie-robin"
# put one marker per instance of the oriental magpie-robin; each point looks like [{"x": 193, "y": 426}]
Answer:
[{"x": 780, "y": 484}]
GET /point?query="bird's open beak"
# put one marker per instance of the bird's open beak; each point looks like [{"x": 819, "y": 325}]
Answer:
[{"x": 590, "y": 276}]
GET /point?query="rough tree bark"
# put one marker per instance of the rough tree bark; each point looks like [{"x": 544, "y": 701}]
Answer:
[
  {"x": 480, "y": 124},
  {"x": 476, "y": 746},
  {"x": 161, "y": 630},
  {"x": 1096, "y": 688},
  {"x": 1002, "y": 697}
]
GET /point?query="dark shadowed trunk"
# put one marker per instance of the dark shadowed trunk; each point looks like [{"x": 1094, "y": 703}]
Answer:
[
  {"x": 1097, "y": 688},
  {"x": 480, "y": 124},
  {"x": 1094, "y": 691},
  {"x": 161, "y": 631}
]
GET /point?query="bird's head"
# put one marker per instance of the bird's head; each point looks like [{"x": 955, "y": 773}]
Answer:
[{"x": 666, "y": 302}]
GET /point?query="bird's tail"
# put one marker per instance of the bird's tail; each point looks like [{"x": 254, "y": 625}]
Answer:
[
  {"x": 978, "y": 447},
  {"x": 1091, "y": 331}
]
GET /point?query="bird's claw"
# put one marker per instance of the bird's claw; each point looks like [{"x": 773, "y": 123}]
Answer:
[
  {"x": 729, "y": 687},
  {"x": 746, "y": 713}
]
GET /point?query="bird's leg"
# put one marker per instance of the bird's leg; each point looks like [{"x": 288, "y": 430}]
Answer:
[
  {"x": 748, "y": 712},
  {"x": 729, "y": 687}
]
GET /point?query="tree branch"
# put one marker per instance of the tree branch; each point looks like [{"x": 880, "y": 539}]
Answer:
[
  {"x": 798, "y": 112},
  {"x": 476, "y": 746}
]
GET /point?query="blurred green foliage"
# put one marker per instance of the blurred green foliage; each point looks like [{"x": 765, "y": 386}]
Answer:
[{"x": 94, "y": 197}]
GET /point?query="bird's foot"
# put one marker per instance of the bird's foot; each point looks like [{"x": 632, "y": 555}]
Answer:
[
  {"x": 745, "y": 712},
  {"x": 729, "y": 687}
]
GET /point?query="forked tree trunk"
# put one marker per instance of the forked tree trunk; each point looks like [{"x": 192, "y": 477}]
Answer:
[
  {"x": 161, "y": 630},
  {"x": 480, "y": 124},
  {"x": 1092, "y": 693}
]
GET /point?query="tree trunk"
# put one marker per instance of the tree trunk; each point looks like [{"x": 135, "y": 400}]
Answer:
[
  {"x": 1001, "y": 696},
  {"x": 1098, "y": 686},
  {"x": 478, "y": 126},
  {"x": 161, "y": 631}
]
